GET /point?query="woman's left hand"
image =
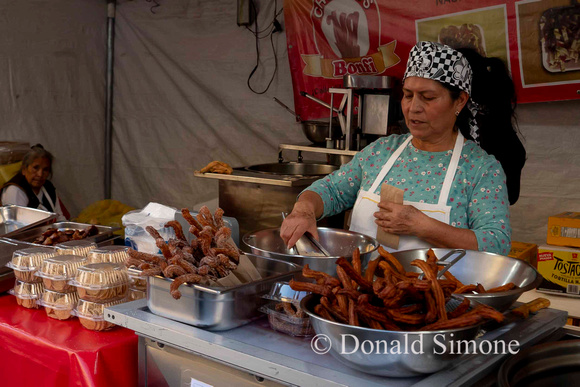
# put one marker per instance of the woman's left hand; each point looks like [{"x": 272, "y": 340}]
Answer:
[{"x": 400, "y": 219}]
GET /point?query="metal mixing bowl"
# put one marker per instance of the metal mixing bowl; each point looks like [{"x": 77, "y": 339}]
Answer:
[
  {"x": 339, "y": 243},
  {"x": 417, "y": 361},
  {"x": 490, "y": 270},
  {"x": 317, "y": 131}
]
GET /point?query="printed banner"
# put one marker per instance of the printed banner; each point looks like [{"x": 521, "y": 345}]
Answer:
[{"x": 538, "y": 40}]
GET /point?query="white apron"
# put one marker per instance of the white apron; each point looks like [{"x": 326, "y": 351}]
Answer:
[{"x": 367, "y": 202}]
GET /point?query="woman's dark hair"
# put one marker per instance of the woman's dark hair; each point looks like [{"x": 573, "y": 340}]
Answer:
[
  {"x": 36, "y": 152},
  {"x": 493, "y": 90}
]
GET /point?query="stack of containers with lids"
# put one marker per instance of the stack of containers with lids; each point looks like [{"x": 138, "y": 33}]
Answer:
[
  {"x": 60, "y": 297},
  {"x": 119, "y": 254},
  {"x": 28, "y": 288},
  {"x": 284, "y": 313},
  {"x": 99, "y": 285}
]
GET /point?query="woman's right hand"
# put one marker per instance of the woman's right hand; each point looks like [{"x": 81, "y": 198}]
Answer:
[{"x": 301, "y": 219}]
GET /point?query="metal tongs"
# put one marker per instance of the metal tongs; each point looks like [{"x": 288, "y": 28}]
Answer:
[
  {"x": 447, "y": 265},
  {"x": 304, "y": 245}
]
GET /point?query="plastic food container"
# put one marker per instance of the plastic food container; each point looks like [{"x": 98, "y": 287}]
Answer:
[
  {"x": 282, "y": 292},
  {"x": 101, "y": 282},
  {"x": 28, "y": 293},
  {"x": 136, "y": 294},
  {"x": 116, "y": 254},
  {"x": 136, "y": 280},
  {"x": 57, "y": 271},
  {"x": 91, "y": 314},
  {"x": 79, "y": 247},
  {"x": 59, "y": 305},
  {"x": 285, "y": 323},
  {"x": 26, "y": 262}
]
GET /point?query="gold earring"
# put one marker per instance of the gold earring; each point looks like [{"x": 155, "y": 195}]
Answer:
[{"x": 457, "y": 113}]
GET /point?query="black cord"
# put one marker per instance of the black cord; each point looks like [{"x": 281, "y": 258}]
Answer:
[
  {"x": 156, "y": 4},
  {"x": 273, "y": 27}
]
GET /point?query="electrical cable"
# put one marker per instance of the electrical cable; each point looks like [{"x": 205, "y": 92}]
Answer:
[{"x": 275, "y": 26}]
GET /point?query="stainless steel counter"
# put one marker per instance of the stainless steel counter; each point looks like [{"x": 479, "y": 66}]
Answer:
[{"x": 256, "y": 349}]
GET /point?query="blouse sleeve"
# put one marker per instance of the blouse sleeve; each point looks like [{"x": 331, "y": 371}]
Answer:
[
  {"x": 14, "y": 195},
  {"x": 489, "y": 209},
  {"x": 340, "y": 189}
]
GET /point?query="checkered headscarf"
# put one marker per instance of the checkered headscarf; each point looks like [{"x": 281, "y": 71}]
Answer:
[{"x": 446, "y": 65}]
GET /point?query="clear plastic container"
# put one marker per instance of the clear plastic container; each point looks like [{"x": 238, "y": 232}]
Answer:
[
  {"x": 59, "y": 305},
  {"x": 282, "y": 292},
  {"x": 28, "y": 293},
  {"x": 91, "y": 314},
  {"x": 101, "y": 282},
  {"x": 136, "y": 294},
  {"x": 285, "y": 323},
  {"x": 136, "y": 280},
  {"x": 26, "y": 262},
  {"x": 57, "y": 271},
  {"x": 79, "y": 247},
  {"x": 116, "y": 254}
]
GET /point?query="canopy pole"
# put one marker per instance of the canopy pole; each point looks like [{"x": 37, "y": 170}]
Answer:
[{"x": 111, "y": 6}]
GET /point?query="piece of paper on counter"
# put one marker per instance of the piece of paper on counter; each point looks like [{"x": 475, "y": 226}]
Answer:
[
  {"x": 395, "y": 195},
  {"x": 246, "y": 271}
]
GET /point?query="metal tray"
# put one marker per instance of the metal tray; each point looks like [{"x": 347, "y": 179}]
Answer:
[
  {"x": 15, "y": 219},
  {"x": 218, "y": 309},
  {"x": 105, "y": 232}
]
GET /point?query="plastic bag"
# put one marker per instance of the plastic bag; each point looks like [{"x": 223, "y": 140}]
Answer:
[{"x": 154, "y": 215}]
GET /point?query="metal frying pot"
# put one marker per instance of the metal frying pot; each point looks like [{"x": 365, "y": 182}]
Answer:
[
  {"x": 548, "y": 364},
  {"x": 293, "y": 168}
]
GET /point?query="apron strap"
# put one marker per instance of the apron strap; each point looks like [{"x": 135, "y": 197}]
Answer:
[
  {"x": 387, "y": 167},
  {"x": 49, "y": 199},
  {"x": 451, "y": 170}
]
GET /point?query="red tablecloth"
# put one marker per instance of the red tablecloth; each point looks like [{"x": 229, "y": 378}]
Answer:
[{"x": 36, "y": 350}]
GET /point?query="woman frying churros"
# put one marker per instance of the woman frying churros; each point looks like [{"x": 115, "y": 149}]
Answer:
[{"x": 452, "y": 166}]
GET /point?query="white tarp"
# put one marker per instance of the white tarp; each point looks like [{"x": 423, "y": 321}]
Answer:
[{"x": 181, "y": 101}]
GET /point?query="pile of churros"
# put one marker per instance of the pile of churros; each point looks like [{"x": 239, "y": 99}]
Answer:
[{"x": 387, "y": 297}]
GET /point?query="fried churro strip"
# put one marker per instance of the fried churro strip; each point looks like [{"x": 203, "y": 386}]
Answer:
[
  {"x": 352, "y": 315},
  {"x": 344, "y": 278},
  {"x": 432, "y": 261},
  {"x": 130, "y": 261},
  {"x": 350, "y": 293},
  {"x": 218, "y": 218},
  {"x": 177, "y": 282},
  {"x": 287, "y": 308},
  {"x": 173, "y": 271},
  {"x": 392, "y": 260},
  {"x": 191, "y": 220},
  {"x": 145, "y": 256},
  {"x": 479, "y": 288},
  {"x": 523, "y": 311},
  {"x": 458, "y": 322},
  {"x": 153, "y": 271},
  {"x": 465, "y": 289},
  {"x": 356, "y": 263},
  {"x": 503, "y": 288},
  {"x": 205, "y": 218},
  {"x": 371, "y": 267},
  {"x": 435, "y": 287},
  {"x": 322, "y": 312},
  {"x": 309, "y": 287},
  {"x": 351, "y": 272},
  {"x": 451, "y": 277},
  {"x": 410, "y": 319},
  {"x": 372, "y": 323},
  {"x": 374, "y": 315},
  {"x": 409, "y": 309},
  {"x": 333, "y": 311},
  {"x": 342, "y": 304},
  {"x": 177, "y": 228},
  {"x": 388, "y": 270},
  {"x": 159, "y": 242},
  {"x": 461, "y": 309}
]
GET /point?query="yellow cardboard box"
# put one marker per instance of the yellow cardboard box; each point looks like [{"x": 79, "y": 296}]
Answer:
[
  {"x": 564, "y": 229},
  {"x": 560, "y": 267},
  {"x": 524, "y": 251}
]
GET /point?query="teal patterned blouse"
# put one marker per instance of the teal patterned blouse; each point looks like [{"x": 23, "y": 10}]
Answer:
[{"x": 478, "y": 196}]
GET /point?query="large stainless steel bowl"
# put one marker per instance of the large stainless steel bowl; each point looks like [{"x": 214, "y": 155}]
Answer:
[
  {"x": 317, "y": 131},
  {"x": 292, "y": 168},
  {"x": 409, "y": 360},
  {"x": 339, "y": 243},
  {"x": 490, "y": 270}
]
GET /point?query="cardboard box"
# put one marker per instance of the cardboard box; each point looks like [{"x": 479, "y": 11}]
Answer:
[
  {"x": 560, "y": 267},
  {"x": 524, "y": 251},
  {"x": 564, "y": 229}
]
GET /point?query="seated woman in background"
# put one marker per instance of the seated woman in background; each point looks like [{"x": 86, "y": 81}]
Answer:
[{"x": 31, "y": 187}]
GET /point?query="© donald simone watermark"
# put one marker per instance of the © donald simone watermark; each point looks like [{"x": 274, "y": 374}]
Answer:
[{"x": 442, "y": 344}]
